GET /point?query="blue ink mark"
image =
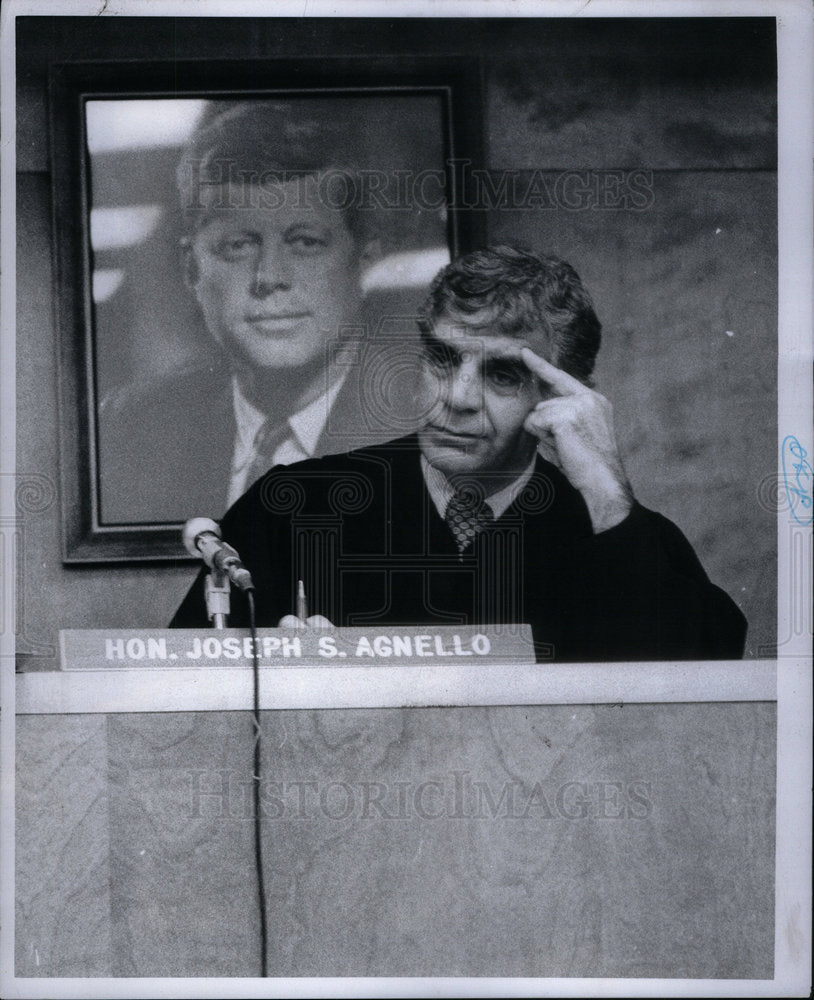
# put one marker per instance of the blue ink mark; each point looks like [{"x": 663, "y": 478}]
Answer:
[{"x": 798, "y": 489}]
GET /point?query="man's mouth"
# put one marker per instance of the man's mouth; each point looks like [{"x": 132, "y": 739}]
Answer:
[
  {"x": 453, "y": 434},
  {"x": 276, "y": 317}
]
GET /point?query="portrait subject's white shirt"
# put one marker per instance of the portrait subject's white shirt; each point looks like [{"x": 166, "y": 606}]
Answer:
[
  {"x": 441, "y": 492},
  {"x": 305, "y": 428}
]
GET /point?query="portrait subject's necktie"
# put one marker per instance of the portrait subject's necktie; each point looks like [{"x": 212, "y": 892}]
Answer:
[
  {"x": 467, "y": 514},
  {"x": 266, "y": 442}
]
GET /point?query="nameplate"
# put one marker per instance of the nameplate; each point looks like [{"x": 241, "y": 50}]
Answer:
[{"x": 103, "y": 649}]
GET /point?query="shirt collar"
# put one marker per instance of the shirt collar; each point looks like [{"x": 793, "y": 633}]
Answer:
[
  {"x": 306, "y": 425},
  {"x": 248, "y": 420},
  {"x": 441, "y": 491}
]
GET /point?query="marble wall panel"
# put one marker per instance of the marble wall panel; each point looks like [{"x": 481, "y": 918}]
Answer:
[
  {"x": 540, "y": 841},
  {"x": 686, "y": 290},
  {"x": 62, "y": 854}
]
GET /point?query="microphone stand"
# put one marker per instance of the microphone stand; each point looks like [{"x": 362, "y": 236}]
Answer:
[
  {"x": 216, "y": 591},
  {"x": 199, "y": 535}
]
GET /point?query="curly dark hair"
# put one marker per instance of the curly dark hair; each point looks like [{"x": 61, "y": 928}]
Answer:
[{"x": 516, "y": 292}]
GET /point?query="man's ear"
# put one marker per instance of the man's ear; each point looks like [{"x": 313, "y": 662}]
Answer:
[{"x": 189, "y": 264}]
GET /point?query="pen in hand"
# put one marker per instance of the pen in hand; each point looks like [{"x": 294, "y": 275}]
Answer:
[
  {"x": 302, "y": 619},
  {"x": 302, "y": 603}
]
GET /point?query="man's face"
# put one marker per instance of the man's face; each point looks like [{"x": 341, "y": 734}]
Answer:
[
  {"x": 477, "y": 392},
  {"x": 275, "y": 272}
]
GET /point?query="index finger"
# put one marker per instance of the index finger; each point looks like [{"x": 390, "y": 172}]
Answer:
[{"x": 555, "y": 378}]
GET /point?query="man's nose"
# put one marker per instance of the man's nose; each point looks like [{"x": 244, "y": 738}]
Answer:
[
  {"x": 271, "y": 273},
  {"x": 464, "y": 391}
]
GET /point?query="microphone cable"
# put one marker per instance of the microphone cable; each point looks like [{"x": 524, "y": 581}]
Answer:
[{"x": 256, "y": 765}]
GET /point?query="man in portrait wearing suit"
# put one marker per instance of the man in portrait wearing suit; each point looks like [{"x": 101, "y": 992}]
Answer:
[
  {"x": 273, "y": 253},
  {"x": 466, "y": 522}
]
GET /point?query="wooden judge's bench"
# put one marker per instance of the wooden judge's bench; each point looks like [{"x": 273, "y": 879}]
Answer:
[{"x": 431, "y": 807}]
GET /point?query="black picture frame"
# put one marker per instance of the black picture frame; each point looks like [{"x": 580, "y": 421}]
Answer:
[{"x": 86, "y": 538}]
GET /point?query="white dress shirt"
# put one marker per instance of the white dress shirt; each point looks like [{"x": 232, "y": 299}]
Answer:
[
  {"x": 441, "y": 491},
  {"x": 305, "y": 428}
]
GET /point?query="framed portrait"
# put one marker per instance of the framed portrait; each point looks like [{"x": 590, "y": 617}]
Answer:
[{"x": 136, "y": 338}]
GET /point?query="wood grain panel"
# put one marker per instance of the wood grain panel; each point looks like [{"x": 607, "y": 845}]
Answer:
[
  {"x": 62, "y": 847},
  {"x": 542, "y": 841}
]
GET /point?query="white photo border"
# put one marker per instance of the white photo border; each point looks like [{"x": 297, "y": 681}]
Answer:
[{"x": 794, "y": 681}]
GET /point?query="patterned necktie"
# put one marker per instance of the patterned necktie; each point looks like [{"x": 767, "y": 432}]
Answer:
[
  {"x": 266, "y": 442},
  {"x": 467, "y": 513}
]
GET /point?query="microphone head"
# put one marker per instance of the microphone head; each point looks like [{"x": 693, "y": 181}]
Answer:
[{"x": 194, "y": 528}]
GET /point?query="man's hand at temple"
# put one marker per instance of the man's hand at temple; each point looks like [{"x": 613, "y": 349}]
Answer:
[{"x": 575, "y": 425}]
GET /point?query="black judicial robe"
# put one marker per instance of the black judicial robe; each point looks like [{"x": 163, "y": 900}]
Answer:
[{"x": 362, "y": 532}]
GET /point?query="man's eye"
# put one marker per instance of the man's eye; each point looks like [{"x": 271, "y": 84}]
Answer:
[
  {"x": 235, "y": 247},
  {"x": 506, "y": 379},
  {"x": 307, "y": 243}
]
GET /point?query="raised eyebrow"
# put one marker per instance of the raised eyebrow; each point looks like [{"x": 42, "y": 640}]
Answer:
[
  {"x": 507, "y": 362},
  {"x": 432, "y": 341}
]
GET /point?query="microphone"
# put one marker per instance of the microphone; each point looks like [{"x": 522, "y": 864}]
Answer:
[{"x": 202, "y": 538}]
